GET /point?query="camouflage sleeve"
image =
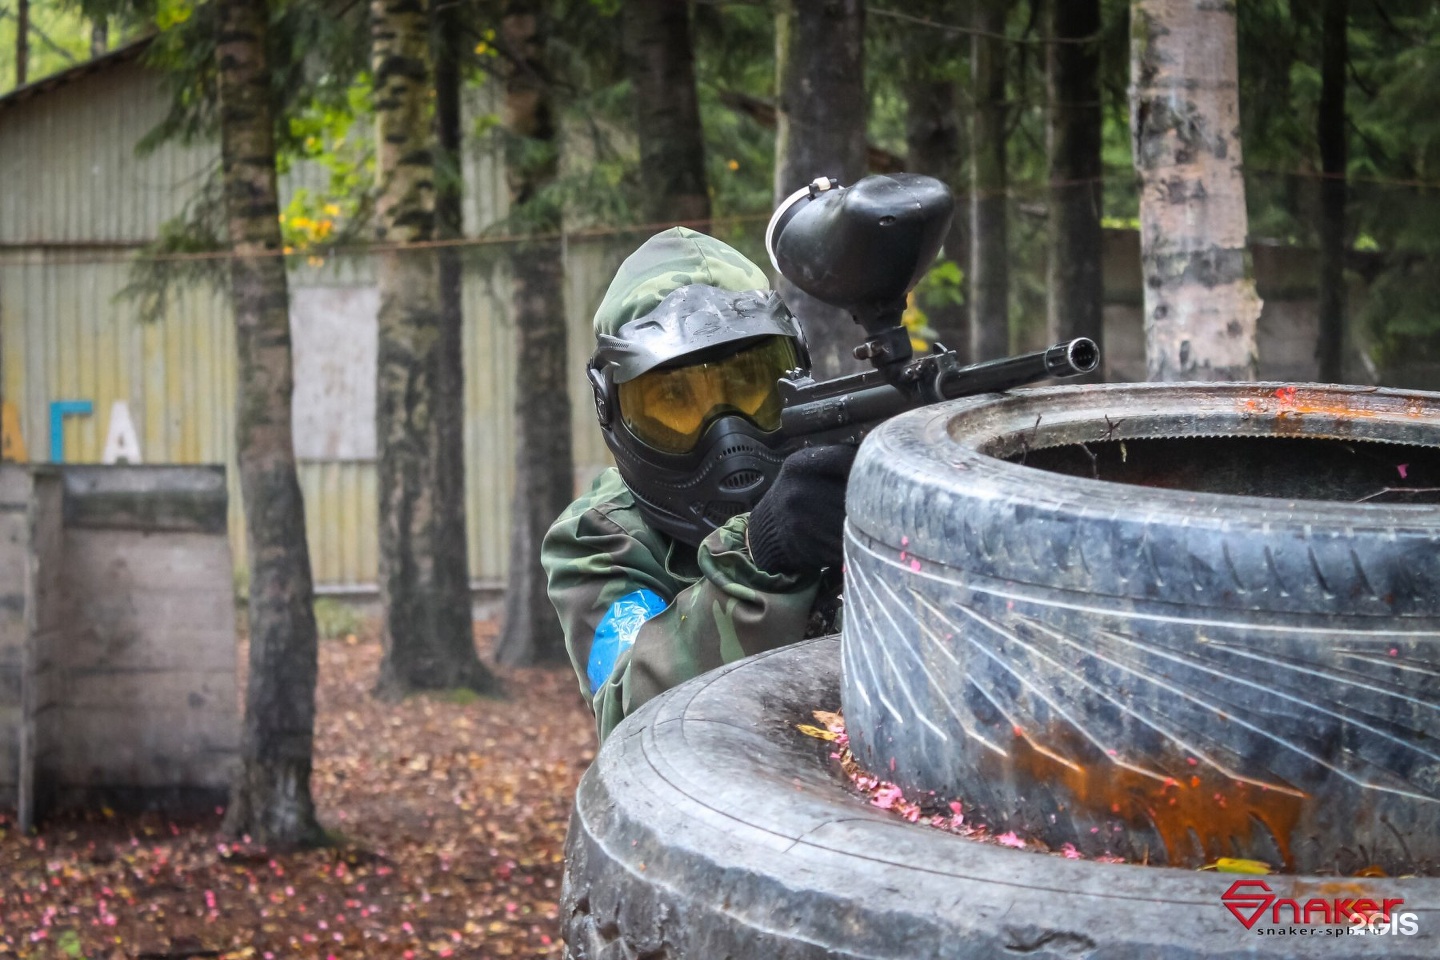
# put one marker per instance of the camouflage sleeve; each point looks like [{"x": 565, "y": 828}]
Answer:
[{"x": 594, "y": 565}]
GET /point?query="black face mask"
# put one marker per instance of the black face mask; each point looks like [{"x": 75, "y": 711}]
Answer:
[{"x": 688, "y": 495}]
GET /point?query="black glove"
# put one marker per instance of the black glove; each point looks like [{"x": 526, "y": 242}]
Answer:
[{"x": 797, "y": 527}]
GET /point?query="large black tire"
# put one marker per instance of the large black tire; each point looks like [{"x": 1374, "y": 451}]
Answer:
[
  {"x": 708, "y": 828},
  {"x": 1162, "y": 673}
]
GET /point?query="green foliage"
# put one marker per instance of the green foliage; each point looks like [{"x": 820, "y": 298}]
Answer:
[
  {"x": 59, "y": 39},
  {"x": 335, "y": 619},
  {"x": 1395, "y": 166},
  {"x": 944, "y": 285},
  {"x": 735, "y": 55},
  {"x": 332, "y": 135}
]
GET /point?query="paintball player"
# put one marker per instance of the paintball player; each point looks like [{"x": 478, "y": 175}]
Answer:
[{"x": 705, "y": 544}]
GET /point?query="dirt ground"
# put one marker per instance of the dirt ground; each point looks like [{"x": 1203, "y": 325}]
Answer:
[{"x": 448, "y": 817}]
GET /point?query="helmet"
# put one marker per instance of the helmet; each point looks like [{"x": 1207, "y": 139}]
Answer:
[{"x": 685, "y": 391}]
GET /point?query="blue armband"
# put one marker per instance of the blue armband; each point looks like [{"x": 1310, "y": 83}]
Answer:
[{"x": 616, "y": 632}]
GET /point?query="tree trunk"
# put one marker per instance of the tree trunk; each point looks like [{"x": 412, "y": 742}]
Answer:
[
  {"x": 989, "y": 239},
  {"x": 1330, "y": 347},
  {"x": 820, "y": 71},
  {"x": 22, "y": 42},
  {"x": 424, "y": 577},
  {"x": 270, "y": 798},
  {"x": 99, "y": 36},
  {"x": 934, "y": 146},
  {"x": 449, "y": 38},
  {"x": 1074, "y": 286},
  {"x": 544, "y": 478},
  {"x": 660, "y": 61},
  {"x": 1201, "y": 307}
]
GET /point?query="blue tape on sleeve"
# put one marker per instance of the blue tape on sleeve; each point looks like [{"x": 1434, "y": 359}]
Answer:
[{"x": 616, "y": 633}]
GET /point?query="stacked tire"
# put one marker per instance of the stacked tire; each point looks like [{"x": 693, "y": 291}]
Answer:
[{"x": 1055, "y": 651}]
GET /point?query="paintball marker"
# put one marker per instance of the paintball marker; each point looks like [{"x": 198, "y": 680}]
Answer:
[{"x": 862, "y": 249}]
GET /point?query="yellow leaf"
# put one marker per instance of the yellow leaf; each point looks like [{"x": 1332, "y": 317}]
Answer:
[
  {"x": 1237, "y": 865},
  {"x": 815, "y": 732}
]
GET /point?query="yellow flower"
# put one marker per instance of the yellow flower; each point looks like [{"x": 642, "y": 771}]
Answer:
[{"x": 733, "y": 164}]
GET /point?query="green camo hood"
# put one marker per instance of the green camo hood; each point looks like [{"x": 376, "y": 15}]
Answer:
[{"x": 666, "y": 262}]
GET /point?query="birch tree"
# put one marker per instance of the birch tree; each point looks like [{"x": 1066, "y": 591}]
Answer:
[
  {"x": 270, "y": 798},
  {"x": 424, "y": 575},
  {"x": 544, "y": 483},
  {"x": 1201, "y": 306}
]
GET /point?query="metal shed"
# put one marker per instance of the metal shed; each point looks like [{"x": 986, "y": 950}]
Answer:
[{"x": 77, "y": 202}]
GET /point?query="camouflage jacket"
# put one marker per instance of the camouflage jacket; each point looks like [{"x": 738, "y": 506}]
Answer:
[{"x": 643, "y": 612}]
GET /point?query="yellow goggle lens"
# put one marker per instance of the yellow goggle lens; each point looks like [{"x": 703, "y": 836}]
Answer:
[{"x": 670, "y": 408}]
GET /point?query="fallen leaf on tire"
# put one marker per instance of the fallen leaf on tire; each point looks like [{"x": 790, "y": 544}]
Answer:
[
  {"x": 1237, "y": 865},
  {"x": 829, "y": 719},
  {"x": 815, "y": 732}
]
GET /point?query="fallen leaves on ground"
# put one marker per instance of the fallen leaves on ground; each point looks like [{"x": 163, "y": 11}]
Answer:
[{"x": 448, "y": 815}]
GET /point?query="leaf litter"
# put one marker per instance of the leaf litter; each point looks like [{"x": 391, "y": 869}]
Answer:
[{"x": 447, "y": 816}]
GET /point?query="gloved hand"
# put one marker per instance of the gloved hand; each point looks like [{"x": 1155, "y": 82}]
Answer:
[{"x": 798, "y": 525}]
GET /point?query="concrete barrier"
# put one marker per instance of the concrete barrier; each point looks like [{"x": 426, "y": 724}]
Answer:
[{"x": 117, "y": 638}]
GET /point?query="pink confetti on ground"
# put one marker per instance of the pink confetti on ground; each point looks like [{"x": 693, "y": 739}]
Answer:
[
  {"x": 915, "y": 565},
  {"x": 891, "y": 798},
  {"x": 1403, "y": 468}
]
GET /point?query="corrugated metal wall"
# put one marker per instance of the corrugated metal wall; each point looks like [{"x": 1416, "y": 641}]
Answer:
[
  {"x": 68, "y": 169},
  {"x": 73, "y": 195}
]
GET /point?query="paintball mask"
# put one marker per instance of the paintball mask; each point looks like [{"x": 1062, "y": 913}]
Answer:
[{"x": 687, "y": 400}]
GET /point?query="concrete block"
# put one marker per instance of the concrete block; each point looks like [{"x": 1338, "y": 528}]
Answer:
[
  {"x": 14, "y": 550},
  {"x": 10, "y": 674},
  {"x": 117, "y": 637},
  {"x": 47, "y": 536},
  {"x": 159, "y": 498},
  {"x": 182, "y": 635},
  {"x": 14, "y": 486},
  {"x": 210, "y": 690},
  {"x": 9, "y": 752},
  {"x": 130, "y": 747},
  {"x": 116, "y": 562}
]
